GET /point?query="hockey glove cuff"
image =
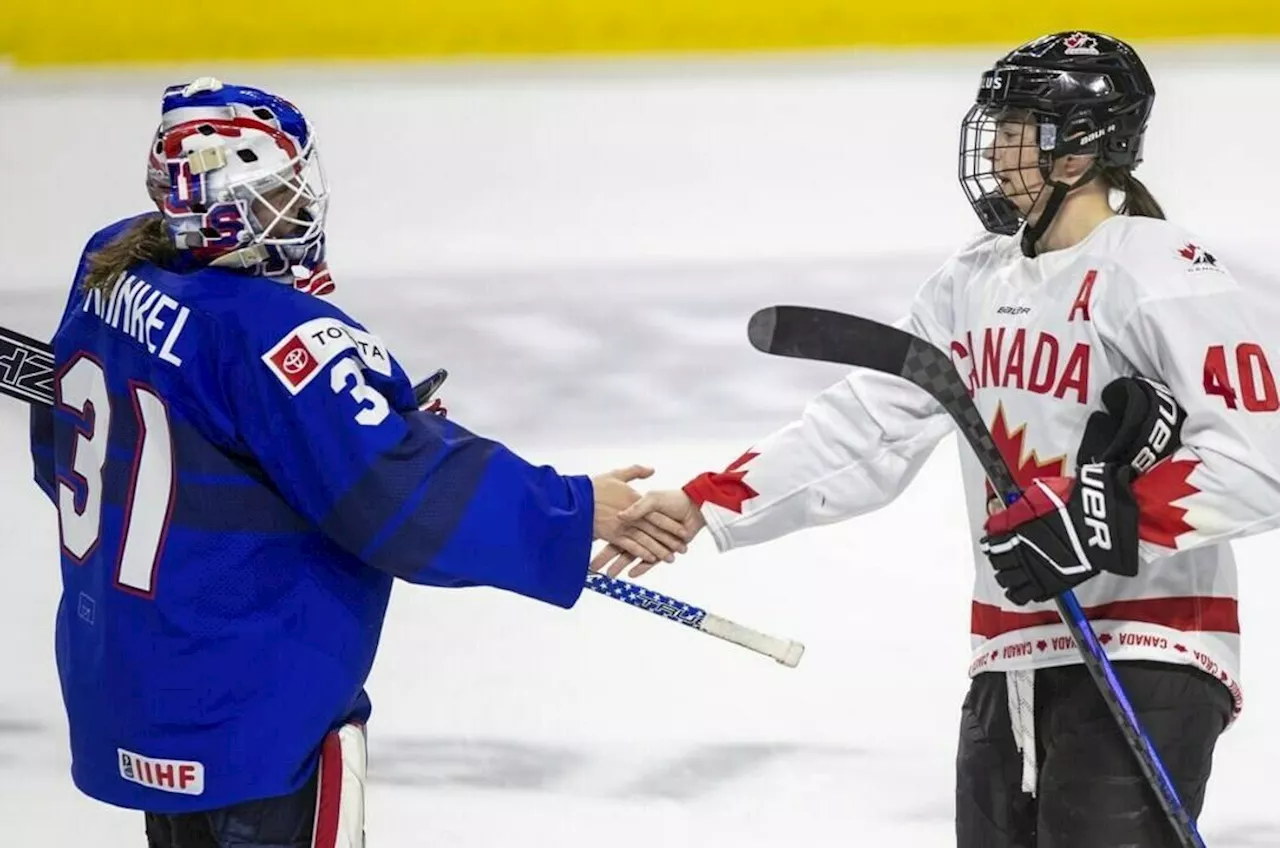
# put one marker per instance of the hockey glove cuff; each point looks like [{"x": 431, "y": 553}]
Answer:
[
  {"x": 1063, "y": 531},
  {"x": 1141, "y": 425}
]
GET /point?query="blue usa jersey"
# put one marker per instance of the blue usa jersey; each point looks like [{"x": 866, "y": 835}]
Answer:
[{"x": 240, "y": 472}]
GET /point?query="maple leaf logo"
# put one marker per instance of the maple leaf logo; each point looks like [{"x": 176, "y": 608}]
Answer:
[
  {"x": 1160, "y": 522},
  {"x": 1078, "y": 43},
  {"x": 1197, "y": 255},
  {"x": 1026, "y": 466},
  {"x": 727, "y": 489}
]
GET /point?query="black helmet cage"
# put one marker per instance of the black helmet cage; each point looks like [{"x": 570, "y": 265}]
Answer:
[{"x": 1097, "y": 106}]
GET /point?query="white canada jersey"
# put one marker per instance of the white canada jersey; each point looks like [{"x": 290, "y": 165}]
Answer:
[{"x": 1037, "y": 340}]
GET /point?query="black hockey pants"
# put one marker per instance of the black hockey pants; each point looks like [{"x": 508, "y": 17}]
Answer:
[
  {"x": 1090, "y": 792},
  {"x": 284, "y": 822}
]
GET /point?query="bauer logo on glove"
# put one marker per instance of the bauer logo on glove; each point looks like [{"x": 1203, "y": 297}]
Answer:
[
  {"x": 1063, "y": 531},
  {"x": 1141, "y": 425}
]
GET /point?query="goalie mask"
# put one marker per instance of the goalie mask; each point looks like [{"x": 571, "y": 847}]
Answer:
[
  {"x": 1076, "y": 93},
  {"x": 236, "y": 174}
]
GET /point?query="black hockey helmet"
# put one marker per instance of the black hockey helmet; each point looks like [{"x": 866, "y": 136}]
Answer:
[{"x": 1084, "y": 93}]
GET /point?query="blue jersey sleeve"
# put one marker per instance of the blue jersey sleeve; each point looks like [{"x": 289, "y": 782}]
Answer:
[{"x": 328, "y": 414}]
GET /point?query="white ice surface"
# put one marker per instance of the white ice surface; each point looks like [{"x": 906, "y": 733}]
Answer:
[{"x": 621, "y": 189}]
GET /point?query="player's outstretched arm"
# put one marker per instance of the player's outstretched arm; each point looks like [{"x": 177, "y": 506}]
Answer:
[
  {"x": 412, "y": 493},
  {"x": 855, "y": 448}
]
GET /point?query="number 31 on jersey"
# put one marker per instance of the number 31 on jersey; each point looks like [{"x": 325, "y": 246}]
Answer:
[{"x": 82, "y": 390}]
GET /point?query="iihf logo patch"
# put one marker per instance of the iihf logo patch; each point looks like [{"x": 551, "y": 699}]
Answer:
[{"x": 183, "y": 777}]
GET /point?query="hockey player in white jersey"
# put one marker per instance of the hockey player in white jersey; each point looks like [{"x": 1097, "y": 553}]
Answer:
[{"x": 1063, "y": 296}]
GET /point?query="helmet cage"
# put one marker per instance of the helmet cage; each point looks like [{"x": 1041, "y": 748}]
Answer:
[
  {"x": 1074, "y": 112},
  {"x": 236, "y": 174}
]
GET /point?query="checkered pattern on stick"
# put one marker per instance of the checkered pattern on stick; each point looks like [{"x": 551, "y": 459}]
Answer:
[{"x": 931, "y": 370}]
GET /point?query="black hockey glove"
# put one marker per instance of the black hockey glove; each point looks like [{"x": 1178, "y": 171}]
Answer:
[
  {"x": 1063, "y": 531},
  {"x": 1142, "y": 425}
]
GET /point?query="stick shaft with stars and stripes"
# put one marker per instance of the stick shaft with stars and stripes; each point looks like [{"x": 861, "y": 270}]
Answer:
[{"x": 785, "y": 651}]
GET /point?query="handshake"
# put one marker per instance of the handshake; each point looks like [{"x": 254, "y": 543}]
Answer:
[
  {"x": 640, "y": 529},
  {"x": 646, "y": 529}
]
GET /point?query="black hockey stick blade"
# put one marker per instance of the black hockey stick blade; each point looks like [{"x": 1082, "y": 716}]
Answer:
[
  {"x": 422, "y": 392},
  {"x": 828, "y": 336},
  {"x": 821, "y": 334},
  {"x": 26, "y": 368}
]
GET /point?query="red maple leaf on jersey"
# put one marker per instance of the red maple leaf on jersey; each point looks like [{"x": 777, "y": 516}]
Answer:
[
  {"x": 1188, "y": 252},
  {"x": 1159, "y": 521},
  {"x": 1025, "y": 466},
  {"x": 725, "y": 488}
]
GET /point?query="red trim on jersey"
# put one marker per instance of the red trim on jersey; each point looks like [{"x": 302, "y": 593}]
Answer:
[
  {"x": 328, "y": 793},
  {"x": 1215, "y": 615},
  {"x": 1156, "y": 491},
  {"x": 727, "y": 488}
]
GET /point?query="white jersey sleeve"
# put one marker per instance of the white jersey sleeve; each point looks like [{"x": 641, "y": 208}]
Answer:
[
  {"x": 855, "y": 448},
  {"x": 1213, "y": 342}
]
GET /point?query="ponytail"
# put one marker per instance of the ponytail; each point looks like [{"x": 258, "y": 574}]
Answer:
[
  {"x": 1138, "y": 199},
  {"x": 146, "y": 240}
]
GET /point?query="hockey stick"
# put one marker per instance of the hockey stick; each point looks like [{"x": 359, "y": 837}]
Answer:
[
  {"x": 27, "y": 372},
  {"x": 785, "y": 651},
  {"x": 26, "y": 368},
  {"x": 819, "y": 334}
]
